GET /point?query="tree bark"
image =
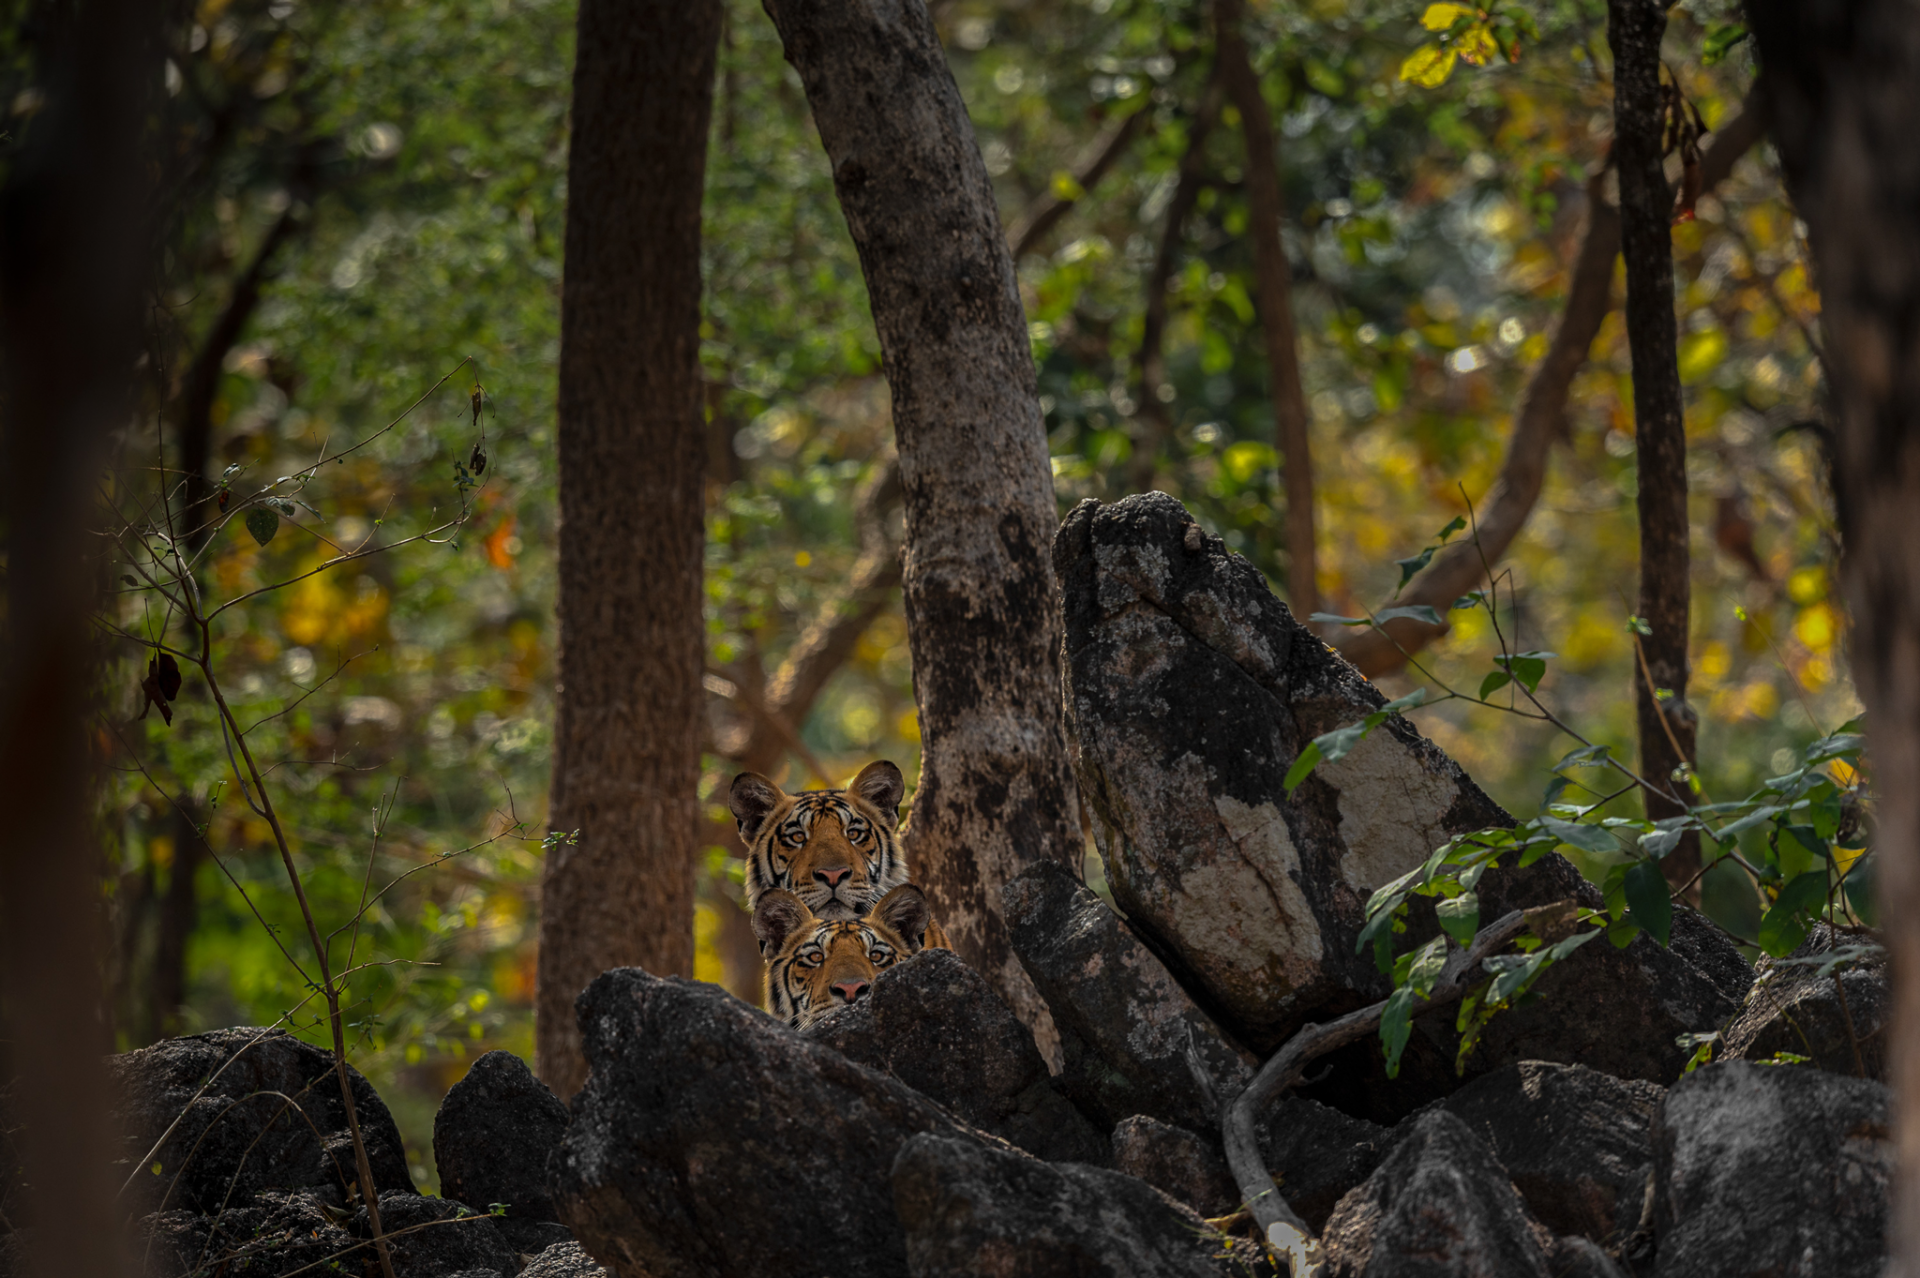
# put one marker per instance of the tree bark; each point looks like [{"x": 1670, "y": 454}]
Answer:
[
  {"x": 1541, "y": 417},
  {"x": 996, "y": 792},
  {"x": 1666, "y": 725},
  {"x": 628, "y": 725},
  {"x": 74, "y": 255},
  {"x": 1273, "y": 277},
  {"x": 1844, "y": 81}
]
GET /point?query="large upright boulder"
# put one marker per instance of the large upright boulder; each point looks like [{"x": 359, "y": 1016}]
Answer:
[
  {"x": 492, "y": 1138},
  {"x": 1191, "y": 690},
  {"x": 1838, "y": 1020}
]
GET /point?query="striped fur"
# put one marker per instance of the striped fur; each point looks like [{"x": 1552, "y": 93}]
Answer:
[
  {"x": 837, "y": 850},
  {"x": 819, "y": 965}
]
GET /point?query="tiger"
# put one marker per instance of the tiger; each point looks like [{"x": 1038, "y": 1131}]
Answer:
[{"x": 816, "y": 966}]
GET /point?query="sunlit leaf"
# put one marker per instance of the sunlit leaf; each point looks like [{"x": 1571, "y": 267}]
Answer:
[
  {"x": 1440, "y": 17},
  {"x": 1429, "y": 65}
]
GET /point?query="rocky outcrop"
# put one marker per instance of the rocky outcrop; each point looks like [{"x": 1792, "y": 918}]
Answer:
[
  {"x": 1191, "y": 690},
  {"x": 970, "y": 1211},
  {"x": 1124, "y": 1022},
  {"x": 1183, "y": 1165},
  {"x": 1317, "y": 1154},
  {"x": 1771, "y": 1169},
  {"x": 249, "y": 1104},
  {"x": 435, "y": 1238},
  {"x": 564, "y": 1260},
  {"x": 1577, "y": 1143},
  {"x": 492, "y": 1138},
  {"x": 1794, "y": 1008},
  {"x": 936, "y": 1025}
]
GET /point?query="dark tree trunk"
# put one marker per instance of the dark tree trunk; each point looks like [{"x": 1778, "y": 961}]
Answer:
[
  {"x": 74, "y": 236},
  {"x": 1844, "y": 83},
  {"x": 1274, "y": 279},
  {"x": 996, "y": 792},
  {"x": 628, "y": 728},
  {"x": 1634, "y": 28}
]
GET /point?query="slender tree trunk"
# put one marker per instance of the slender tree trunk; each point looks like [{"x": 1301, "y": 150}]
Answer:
[
  {"x": 1274, "y": 275},
  {"x": 628, "y": 727},
  {"x": 1844, "y": 81},
  {"x": 1634, "y": 28},
  {"x": 74, "y": 236},
  {"x": 996, "y": 791}
]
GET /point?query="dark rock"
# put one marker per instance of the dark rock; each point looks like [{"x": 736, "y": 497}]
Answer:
[
  {"x": 1191, "y": 691},
  {"x": 1185, "y": 1167},
  {"x": 936, "y": 1025},
  {"x": 974, "y": 1212},
  {"x": 1577, "y": 1143},
  {"x": 252, "y": 1128},
  {"x": 1124, "y": 1021},
  {"x": 273, "y": 1234},
  {"x": 564, "y": 1260},
  {"x": 712, "y": 1140},
  {"x": 531, "y": 1237},
  {"x": 492, "y": 1138},
  {"x": 1793, "y": 1008},
  {"x": 1316, "y": 1154},
  {"x": 1440, "y": 1204},
  {"x": 1771, "y": 1170},
  {"x": 1574, "y": 1257},
  {"x": 471, "y": 1246}
]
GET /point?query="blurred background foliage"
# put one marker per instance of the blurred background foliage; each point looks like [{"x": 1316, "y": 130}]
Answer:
[{"x": 402, "y": 164}]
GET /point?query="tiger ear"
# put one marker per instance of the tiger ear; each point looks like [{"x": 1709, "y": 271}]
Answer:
[
  {"x": 751, "y": 798},
  {"x": 881, "y": 784},
  {"x": 905, "y": 910},
  {"x": 777, "y": 917}
]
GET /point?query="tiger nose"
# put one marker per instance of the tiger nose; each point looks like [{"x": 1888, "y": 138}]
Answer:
[
  {"x": 850, "y": 990},
  {"x": 834, "y": 875}
]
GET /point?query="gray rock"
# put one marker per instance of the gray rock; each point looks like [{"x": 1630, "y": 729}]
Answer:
[
  {"x": 1191, "y": 690},
  {"x": 936, "y": 1025},
  {"x": 564, "y": 1260},
  {"x": 974, "y": 1212},
  {"x": 1440, "y": 1204},
  {"x": 1316, "y": 1154},
  {"x": 492, "y": 1138},
  {"x": 1123, "y": 1019},
  {"x": 471, "y": 1247},
  {"x": 1577, "y": 1143},
  {"x": 253, "y": 1128},
  {"x": 1792, "y": 1008},
  {"x": 1771, "y": 1170},
  {"x": 1186, "y": 1167},
  {"x": 273, "y": 1234},
  {"x": 712, "y": 1140}
]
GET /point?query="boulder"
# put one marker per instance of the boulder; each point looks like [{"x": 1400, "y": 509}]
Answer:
[
  {"x": 1771, "y": 1169},
  {"x": 1794, "y": 1008},
  {"x": 936, "y": 1025},
  {"x": 275, "y": 1233},
  {"x": 1186, "y": 1167},
  {"x": 249, "y": 1103},
  {"x": 1124, "y": 1022},
  {"x": 1191, "y": 690},
  {"x": 1316, "y": 1154},
  {"x": 492, "y": 1138},
  {"x": 971, "y": 1211},
  {"x": 423, "y": 1247},
  {"x": 712, "y": 1140},
  {"x": 1577, "y": 1143},
  {"x": 564, "y": 1260},
  {"x": 1440, "y": 1204}
]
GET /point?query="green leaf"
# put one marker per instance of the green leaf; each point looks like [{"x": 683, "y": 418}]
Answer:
[
  {"x": 1418, "y": 612},
  {"x": 1657, "y": 843},
  {"x": 1460, "y": 917},
  {"x": 1783, "y": 928},
  {"x": 1841, "y": 745},
  {"x": 1591, "y": 756},
  {"x": 1860, "y": 891},
  {"x": 263, "y": 524},
  {"x": 1309, "y": 760},
  {"x": 1649, "y": 904},
  {"x": 1527, "y": 668},
  {"x": 1493, "y": 683},
  {"x": 1588, "y": 838},
  {"x": 1408, "y": 567},
  {"x": 1334, "y": 619},
  {"x": 1417, "y": 697},
  {"x": 1396, "y": 1026},
  {"x": 1753, "y": 820},
  {"x": 1454, "y": 525},
  {"x": 1721, "y": 41},
  {"x": 1427, "y": 963},
  {"x": 1555, "y": 788},
  {"x": 1473, "y": 600}
]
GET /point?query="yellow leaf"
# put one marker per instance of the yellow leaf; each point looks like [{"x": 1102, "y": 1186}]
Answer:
[
  {"x": 1477, "y": 47},
  {"x": 1066, "y": 188},
  {"x": 1428, "y": 66},
  {"x": 1439, "y": 17},
  {"x": 1701, "y": 353}
]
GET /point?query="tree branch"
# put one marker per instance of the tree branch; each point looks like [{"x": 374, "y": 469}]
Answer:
[{"x": 1045, "y": 213}]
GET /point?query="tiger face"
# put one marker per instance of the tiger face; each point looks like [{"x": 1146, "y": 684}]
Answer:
[
  {"x": 820, "y": 965},
  {"x": 837, "y": 850}
]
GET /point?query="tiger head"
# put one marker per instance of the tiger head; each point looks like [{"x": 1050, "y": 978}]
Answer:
[
  {"x": 837, "y": 850},
  {"x": 817, "y": 965}
]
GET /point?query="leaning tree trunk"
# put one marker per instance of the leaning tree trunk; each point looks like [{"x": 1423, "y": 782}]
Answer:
[
  {"x": 1666, "y": 723},
  {"x": 73, "y": 256},
  {"x": 1844, "y": 81},
  {"x": 996, "y": 791},
  {"x": 627, "y": 732}
]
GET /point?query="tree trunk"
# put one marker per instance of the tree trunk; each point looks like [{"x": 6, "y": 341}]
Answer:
[
  {"x": 996, "y": 791},
  {"x": 1844, "y": 82},
  {"x": 1273, "y": 276},
  {"x": 628, "y": 727},
  {"x": 74, "y": 237},
  {"x": 1666, "y": 722}
]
